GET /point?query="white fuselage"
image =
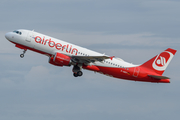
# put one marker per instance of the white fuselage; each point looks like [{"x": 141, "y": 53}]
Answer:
[{"x": 52, "y": 45}]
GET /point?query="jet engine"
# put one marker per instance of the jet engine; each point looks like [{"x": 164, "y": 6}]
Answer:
[{"x": 60, "y": 60}]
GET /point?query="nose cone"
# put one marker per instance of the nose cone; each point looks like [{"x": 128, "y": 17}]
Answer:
[{"x": 7, "y": 36}]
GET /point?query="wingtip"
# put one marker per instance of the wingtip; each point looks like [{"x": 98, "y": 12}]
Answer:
[{"x": 112, "y": 57}]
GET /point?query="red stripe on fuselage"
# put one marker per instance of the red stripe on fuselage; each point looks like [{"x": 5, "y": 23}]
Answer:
[
  {"x": 32, "y": 49},
  {"x": 130, "y": 74}
]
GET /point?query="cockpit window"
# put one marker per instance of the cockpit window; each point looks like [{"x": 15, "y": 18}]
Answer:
[{"x": 18, "y": 32}]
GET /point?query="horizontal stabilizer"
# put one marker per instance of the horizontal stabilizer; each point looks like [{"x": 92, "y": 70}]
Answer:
[{"x": 158, "y": 77}]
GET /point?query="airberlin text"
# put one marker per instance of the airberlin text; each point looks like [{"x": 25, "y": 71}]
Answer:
[{"x": 67, "y": 48}]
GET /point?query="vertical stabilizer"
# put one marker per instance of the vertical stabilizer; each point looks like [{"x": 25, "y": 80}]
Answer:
[{"x": 159, "y": 63}]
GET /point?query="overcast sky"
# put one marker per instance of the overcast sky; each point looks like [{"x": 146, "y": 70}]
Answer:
[{"x": 134, "y": 30}]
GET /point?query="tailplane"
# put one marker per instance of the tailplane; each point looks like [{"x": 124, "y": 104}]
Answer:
[
  {"x": 159, "y": 63},
  {"x": 158, "y": 77}
]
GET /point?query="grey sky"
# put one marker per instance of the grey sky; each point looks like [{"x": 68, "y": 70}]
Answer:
[{"x": 31, "y": 88}]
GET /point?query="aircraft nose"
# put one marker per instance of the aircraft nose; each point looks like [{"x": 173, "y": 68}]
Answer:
[{"x": 7, "y": 36}]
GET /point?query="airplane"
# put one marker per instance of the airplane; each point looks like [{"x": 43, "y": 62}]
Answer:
[{"x": 62, "y": 53}]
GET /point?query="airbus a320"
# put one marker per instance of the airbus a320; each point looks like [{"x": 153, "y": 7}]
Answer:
[{"x": 62, "y": 53}]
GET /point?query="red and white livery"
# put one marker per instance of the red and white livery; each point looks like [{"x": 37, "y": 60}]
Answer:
[{"x": 62, "y": 53}]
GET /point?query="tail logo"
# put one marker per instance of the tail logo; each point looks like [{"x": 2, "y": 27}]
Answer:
[{"x": 162, "y": 60}]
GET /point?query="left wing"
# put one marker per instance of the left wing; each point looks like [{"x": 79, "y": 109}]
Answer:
[{"x": 89, "y": 59}]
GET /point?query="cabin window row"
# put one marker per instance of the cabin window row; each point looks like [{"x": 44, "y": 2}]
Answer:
[{"x": 115, "y": 64}]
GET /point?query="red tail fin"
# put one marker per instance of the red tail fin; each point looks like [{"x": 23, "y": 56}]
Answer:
[{"x": 159, "y": 63}]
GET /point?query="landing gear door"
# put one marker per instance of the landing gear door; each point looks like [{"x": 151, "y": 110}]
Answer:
[{"x": 29, "y": 36}]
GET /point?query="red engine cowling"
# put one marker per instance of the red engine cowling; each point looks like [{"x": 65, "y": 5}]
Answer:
[{"x": 60, "y": 60}]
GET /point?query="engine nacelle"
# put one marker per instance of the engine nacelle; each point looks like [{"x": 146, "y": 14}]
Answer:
[
  {"x": 52, "y": 62},
  {"x": 60, "y": 60}
]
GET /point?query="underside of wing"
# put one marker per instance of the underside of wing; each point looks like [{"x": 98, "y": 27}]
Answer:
[{"x": 88, "y": 59}]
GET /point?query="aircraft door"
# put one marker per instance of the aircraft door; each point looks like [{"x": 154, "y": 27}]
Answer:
[
  {"x": 29, "y": 36},
  {"x": 136, "y": 71}
]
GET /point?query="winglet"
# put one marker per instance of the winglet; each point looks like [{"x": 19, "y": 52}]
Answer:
[{"x": 111, "y": 57}]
